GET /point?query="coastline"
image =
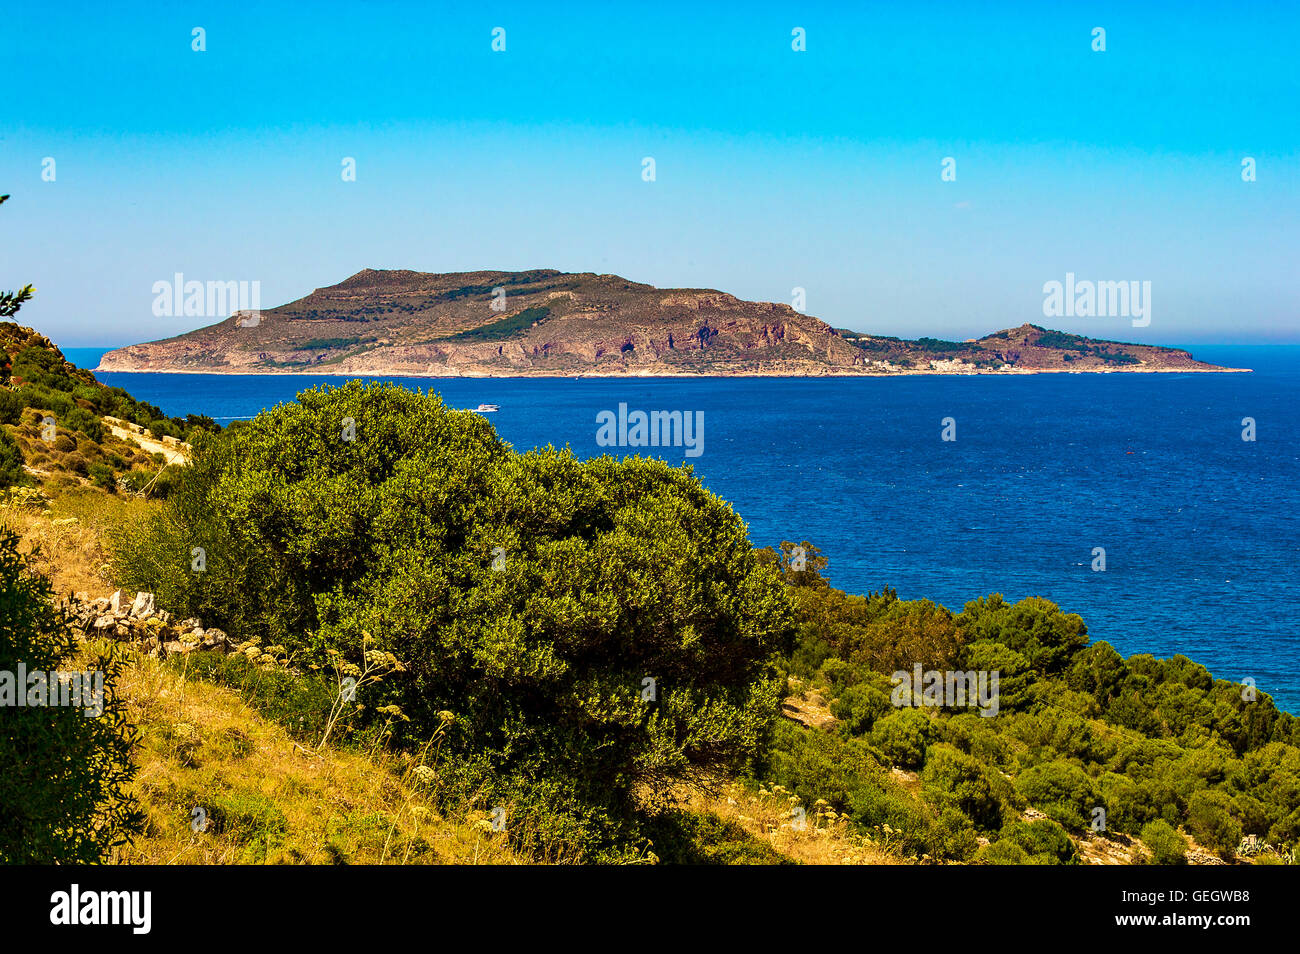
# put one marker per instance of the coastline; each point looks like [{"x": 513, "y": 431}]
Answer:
[{"x": 409, "y": 373}]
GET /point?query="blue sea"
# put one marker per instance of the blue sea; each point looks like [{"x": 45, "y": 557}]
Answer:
[{"x": 1201, "y": 529}]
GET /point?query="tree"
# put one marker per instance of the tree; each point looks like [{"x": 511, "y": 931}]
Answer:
[
  {"x": 585, "y": 634},
  {"x": 908, "y": 632},
  {"x": 1034, "y": 627},
  {"x": 63, "y": 791}
]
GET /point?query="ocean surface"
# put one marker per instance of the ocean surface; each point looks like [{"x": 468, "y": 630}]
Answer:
[{"x": 1201, "y": 529}]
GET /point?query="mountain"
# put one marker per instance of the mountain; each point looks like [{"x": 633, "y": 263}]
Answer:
[{"x": 546, "y": 322}]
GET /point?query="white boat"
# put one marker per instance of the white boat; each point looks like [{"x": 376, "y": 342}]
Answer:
[{"x": 486, "y": 408}]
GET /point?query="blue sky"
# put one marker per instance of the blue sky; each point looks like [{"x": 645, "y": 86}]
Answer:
[{"x": 775, "y": 169}]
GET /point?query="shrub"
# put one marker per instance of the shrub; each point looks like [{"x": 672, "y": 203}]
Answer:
[
  {"x": 953, "y": 837},
  {"x": 11, "y": 460},
  {"x": 953, "y": 779},
  {"x": 705, "y": 839},
  {"x": 63, "y": 791},
  {"x": 1167, "y": 846},
  {"x": 1208, "y": 819},
  {"x": 101, "y": 475},
  {"x": 1062, "y": 791},
  {"x": 1044, "y": 842},
  {"x": 1003, "y": 852},
  {"x": 11, "y": 406},
  {"x": 597, "y": 631},
  {"x": 77, "y": 464},
  {"x": 859, "y": 706},
  {"x": 902, "y": 737}
]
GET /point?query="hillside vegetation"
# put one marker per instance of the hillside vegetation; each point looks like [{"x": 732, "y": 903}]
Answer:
[
  {"x": 57, "y": 423},
  {"x": 1085, "y": 745}
]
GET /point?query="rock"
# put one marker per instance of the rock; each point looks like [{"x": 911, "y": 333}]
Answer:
[
  {"x": 165, "y": 616},
  {"x": 143, "y": 606},
  {"x": 176, "y": 647},
  {"x": 115, "y": 602},
  {"x": 214, "y": 639},
  {"x": 105, "y": 622}
]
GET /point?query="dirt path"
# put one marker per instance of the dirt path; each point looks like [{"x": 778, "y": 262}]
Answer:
[{"x": 177, "y": 453}]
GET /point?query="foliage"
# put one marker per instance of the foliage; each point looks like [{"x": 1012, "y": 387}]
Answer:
[
  {"x": 1166, "y": 845},
  {"x": 597, "y": 631},
  {"x": 1151, "y": 742},
  {"x": 64, "y": 790}
]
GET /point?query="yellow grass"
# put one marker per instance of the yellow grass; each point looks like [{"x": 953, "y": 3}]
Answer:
[
  {"x": 65, "y": 534},
  {"x": 267, "y": 799},
  {"x": 818, "y": 837}
]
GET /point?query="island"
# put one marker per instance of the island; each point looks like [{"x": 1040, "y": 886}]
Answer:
[{"x": 550, "y": 323}]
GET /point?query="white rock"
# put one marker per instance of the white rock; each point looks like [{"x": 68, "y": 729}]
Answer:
[{"x": 143, "y": 605}]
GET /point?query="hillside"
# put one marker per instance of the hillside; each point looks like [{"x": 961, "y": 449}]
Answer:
[
  {"x": 547, "y": 322},
  {"x": 59, "y": 426}
]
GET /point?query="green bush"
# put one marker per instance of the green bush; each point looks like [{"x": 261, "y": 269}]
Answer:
[
  {"x": 1211, "y": 823},
  {"x": 624, "y": 641},
  {"x": 11, "y": 406},
  {"x": 902, "y": 737},
  {"x": 1062, "y": 791},
  {"x": 1044, "y": 842},
  {"x": 953, "y": 779},
  {"x": 11, "y": 460},
  {"x": 1003, "y": 852},
  {"x": 101, "y": 475},
  {"x": 1167, "y": 846},
  {"x": 63, "y": 791}
]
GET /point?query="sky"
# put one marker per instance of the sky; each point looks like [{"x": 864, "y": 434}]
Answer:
[{"x": 775, "y": 169}]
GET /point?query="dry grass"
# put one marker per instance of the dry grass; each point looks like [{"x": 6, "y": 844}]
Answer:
[
  {"x": 819, "y": 837},
  {"x": 269, "y": 800},
  {"x": 266, "y": 798},
  {"x": 65, "y": 535}
]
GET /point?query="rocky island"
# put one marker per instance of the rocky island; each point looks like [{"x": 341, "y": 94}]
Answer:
[{"x": 545, "y": 322}]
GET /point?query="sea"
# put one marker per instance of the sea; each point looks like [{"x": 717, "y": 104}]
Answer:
[{"x": 1200, "y": 527}]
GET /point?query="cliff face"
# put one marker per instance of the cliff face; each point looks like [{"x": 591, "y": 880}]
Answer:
[{"x": 547, "y": 322}]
